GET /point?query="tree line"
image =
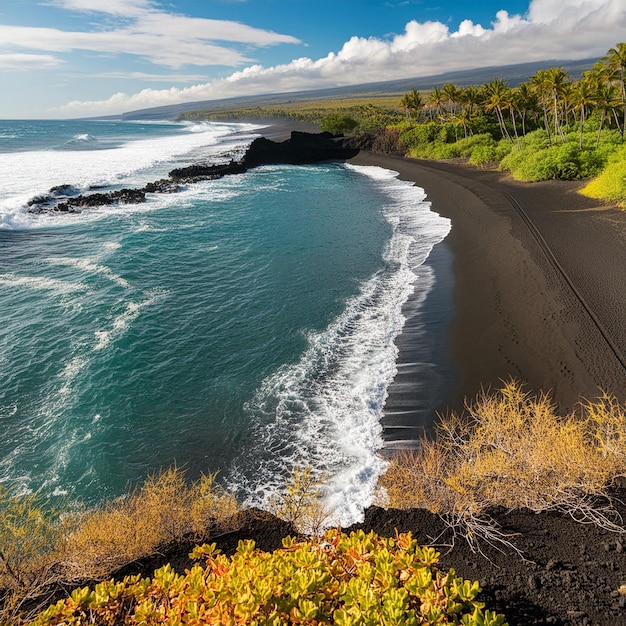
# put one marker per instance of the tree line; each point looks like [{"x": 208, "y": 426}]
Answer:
[{"x": 548, "y": 100}]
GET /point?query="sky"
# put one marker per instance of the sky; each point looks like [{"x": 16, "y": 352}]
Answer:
[{"x": 79, "y": 58}]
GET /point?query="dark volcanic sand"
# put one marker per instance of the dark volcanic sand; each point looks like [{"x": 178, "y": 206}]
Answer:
[{"x": 515, "y": 314}]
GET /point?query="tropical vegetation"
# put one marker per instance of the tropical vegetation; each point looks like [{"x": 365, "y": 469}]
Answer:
[{"x": 548, "y": 127}]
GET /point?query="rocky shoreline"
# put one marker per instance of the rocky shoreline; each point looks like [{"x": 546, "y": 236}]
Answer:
[{"x": 300, "y": 149}]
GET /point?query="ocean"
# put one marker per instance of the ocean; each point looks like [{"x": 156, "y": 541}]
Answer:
[{"x": 245, "y": 325}]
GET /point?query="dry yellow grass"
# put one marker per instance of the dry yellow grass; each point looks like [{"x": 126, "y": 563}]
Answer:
[
  {"x": 512, "y": 449},
  {"x": 301, "y": 504},
  {"x": 165, "y": 508},
  {"x": 40, "y": 547}
]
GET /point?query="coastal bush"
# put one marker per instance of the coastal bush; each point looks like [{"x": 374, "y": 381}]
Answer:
[
  {"x": 354, "y": 580},
  {"x": 338, "y": 123},
  {"x": 479, "y": 149},
  {"x": 512, "y": 449},
  {"x": 537, "y": 159},
  {"x": 41, "y": 546},
  {"x": 387, "y": 141},
  {"x": 413, "y": 135},
  {"x": 610, "y": 185},
  {"x": 301, "y": 504},
  {"x": 30, "y": 531},
  {"x": 164, "y": 509}
]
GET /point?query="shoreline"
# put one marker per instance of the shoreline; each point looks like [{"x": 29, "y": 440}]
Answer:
[{"x": 515, "y": 316}]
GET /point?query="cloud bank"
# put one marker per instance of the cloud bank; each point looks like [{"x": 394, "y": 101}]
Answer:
[
  {"x": 550, "y": 30},
  {"x": 143, "y": 30}
]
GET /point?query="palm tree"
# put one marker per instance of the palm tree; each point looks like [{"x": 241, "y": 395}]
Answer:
[
  {"x": 497, "y": 98},
  {"x": 525, "y": 103},
  {"x": 436, "y": 100},
  {"x": 582, "y": 96},
  {"x": 510, "y": 101},
  {"x": 451, "y": 93},
  {"x": 470, "y": 96},
  {"x": 555, "y": 81},
  {"x": 607, "y": 98},
  {"x": 538, "y": 82},
  {"x": 412, "y": 101},
  {"x": 616, "y": 60}
]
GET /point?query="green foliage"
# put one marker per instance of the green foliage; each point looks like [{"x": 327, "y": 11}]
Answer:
[
  {"x": 356, "y": 580},
  {"x": 413, "y": 135},
  {"x": 338, "y": 123},
  {"x": 487, "y": 153},
  {"x": 537, "y": 159},
  {"x": 610, "y": 185},
  {"x": 432, "y": 141}
]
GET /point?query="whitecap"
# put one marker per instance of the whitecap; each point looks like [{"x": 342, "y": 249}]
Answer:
[
  {"x": 89, "y": 266},
  {"x": 131, "y": 164},
  {"x": 122, "y": 321},
  {"x": 41, "y": 283},
  {"x": 325, "y": 411}
]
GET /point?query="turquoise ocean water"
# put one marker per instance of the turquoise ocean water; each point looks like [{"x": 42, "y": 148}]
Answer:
[{"x": 245, "y": 324}]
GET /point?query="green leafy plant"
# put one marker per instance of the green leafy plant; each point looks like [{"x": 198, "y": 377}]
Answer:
[
  {"x": 610, "y": 185},
  {"x": 356, "y": 580},
  {"x": 338, "y": 123}
]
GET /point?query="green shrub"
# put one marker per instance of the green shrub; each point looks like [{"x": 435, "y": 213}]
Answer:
[
  {"x": 481, "y": 155},
  {"x": 610, "y": 185},
  {"x": 418, "y": 134},
  {"x": 338, "y": 123},
  {"x": 487, "y": 148},
  {"x": 356, "y": 580},
  {"x": 538, "y": 159}
]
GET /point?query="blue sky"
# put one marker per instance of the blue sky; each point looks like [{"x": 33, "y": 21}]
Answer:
[{"x": 68, "y": 58}]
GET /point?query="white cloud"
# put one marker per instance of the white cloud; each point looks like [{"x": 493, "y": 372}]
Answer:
[
  {"x": 127, "y": 8},
  {"x": 181, "y": 27},
  {"x": 26, "y": 62},
  {"x": 158, "y": 47},
  {"x": 163, "y": 38},
  {"x": 550, "y": 30},
  {"x": 154, "y": 78}
]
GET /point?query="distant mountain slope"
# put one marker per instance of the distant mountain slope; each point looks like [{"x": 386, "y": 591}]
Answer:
[{"x": 512, "y": 74}]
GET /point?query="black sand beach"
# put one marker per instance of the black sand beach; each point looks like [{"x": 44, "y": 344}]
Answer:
[{"x": 539, "y": 296}]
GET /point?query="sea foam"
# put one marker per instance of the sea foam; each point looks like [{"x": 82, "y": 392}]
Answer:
[
  {"x": 134, "y": 163},
  {"x": 325, "y": 411}
]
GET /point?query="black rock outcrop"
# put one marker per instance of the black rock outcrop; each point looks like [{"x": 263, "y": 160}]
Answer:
[{"x": 301, "y": 148}]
